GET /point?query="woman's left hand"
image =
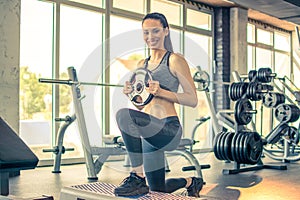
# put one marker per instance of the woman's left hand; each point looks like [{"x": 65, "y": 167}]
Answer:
[{"x": 154, "y": 87}]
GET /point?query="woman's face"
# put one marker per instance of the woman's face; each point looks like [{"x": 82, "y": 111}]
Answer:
[{"x": 154, "y": 33}]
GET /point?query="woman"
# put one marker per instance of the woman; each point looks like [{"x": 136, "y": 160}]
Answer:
[{"x": 155, "y": 128}]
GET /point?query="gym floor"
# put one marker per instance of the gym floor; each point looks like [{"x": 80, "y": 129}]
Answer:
[{"x": 252, "y": 185}]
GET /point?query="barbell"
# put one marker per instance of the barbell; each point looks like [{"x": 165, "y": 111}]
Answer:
[{"x": 139, "y": 80}]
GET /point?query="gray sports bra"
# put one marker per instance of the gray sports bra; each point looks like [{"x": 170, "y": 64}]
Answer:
[{"x": 163, "y": 74}]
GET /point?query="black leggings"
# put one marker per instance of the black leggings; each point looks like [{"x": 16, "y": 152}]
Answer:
[{"x": 146, "y": 138}]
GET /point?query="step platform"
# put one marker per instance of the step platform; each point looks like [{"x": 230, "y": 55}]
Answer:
[{"x": 99, "y": 190}]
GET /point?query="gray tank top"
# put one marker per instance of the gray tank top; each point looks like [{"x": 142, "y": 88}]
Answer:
[{"x": 163, "y": 74}]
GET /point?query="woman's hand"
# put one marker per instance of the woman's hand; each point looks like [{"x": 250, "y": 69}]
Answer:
[
  {"x": 154, "y": 88},
  {"x": 128, "y": 88}
]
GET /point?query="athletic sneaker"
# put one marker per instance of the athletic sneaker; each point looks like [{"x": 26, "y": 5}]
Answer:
[
  {"x": 132, "y": 186},
  {"x": 195, "y": 187}
]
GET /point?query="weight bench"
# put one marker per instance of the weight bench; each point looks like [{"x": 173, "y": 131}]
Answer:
[
  {"x": 182, "y": 150},
  {"x": 14, "y": 156}
]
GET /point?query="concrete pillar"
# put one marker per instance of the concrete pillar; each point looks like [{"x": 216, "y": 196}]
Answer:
[
  {"x": 9, "y": 61},
  {"x": 238, "y": 39}
]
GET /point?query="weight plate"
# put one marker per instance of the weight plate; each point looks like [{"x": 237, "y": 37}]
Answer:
[
  {"x": 245, "y": 152},
  {"x": 264, "y": 75},
  {"x": 237, "y": 148},
  {"x": 287, "y": 113},
  {"x": 221, "y": 147},
  {"x": 202, "y": 79},
  {"x": 227, "y": 146},
  {"x": 216, "y": 143},
  {"x": 139, "y": 81},
  {"x": 242, "y": 113},
  {"x": 232, "y": 148},
  {"x": 241, "y": 146},
  {"x": 254, "y": 148},
  {"x": 252, "y": 75}
]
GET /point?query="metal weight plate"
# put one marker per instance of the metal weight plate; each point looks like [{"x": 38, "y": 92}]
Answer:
[
  {"x": 245, "y": 142},
  {"x": 287, "y": 113},
  {"x": 202, "y": 79},
  {"x": 227, "y": 146},
  {"x": 139, "y": 81},
  {"x": 270, "y": 100},
  {"x": 241, "y": 146},
  {"x": 243, "y": 111},
  {"x": 232, "y": 149},
  {"x": 216, "y": 143},
  {"x": 237, "y": 148},
  {"x": 273, "y": 99},
  {"x": 254, "y": 148},
  {"x": 219, "y": 145},
  {"x": 264, "y": 75},
  {"x": 252, "y": 75},
  {"x": 222, "y": 146}
]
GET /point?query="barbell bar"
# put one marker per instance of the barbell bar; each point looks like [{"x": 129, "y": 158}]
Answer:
[
  {"x": 70, "y": 82},
  {"x": 139, "y": 80}
]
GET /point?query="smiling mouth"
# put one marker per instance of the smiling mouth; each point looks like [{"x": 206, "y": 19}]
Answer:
[{"x": 152, "y": 43}]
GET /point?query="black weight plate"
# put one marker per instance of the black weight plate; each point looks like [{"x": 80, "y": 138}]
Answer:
[
  {"x": 232, "y": 148},
  {"x": 237, "y": 148},
  {"x": 216, "y": 146},
  {"x": 284, "y": 112},
  {"x": 241, "y": 112},
  {"x": 241, "y": 146},
  {"x": 254, "y": 148},
  {"x": 231, "y": 91},
  {"x": 220, "y": 145},
  {"x": 139, "y": 80},
  {"x": 246, "y": 148},
  {"x": 252, "y": 75},
  {"x": 219, "y": 149},
  {"x": 227, "y": 146},
  {"x": 245, "y": 152},
  {"x": 270, "y": 100}
]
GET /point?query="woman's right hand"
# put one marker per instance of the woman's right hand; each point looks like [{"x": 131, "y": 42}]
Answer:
[{"x": 128, "y": 88}]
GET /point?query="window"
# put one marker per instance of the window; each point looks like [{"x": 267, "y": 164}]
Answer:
[
  {"x": 80, "y": 47},
  {"x": 198, "y": 52},
  {"x": 282, "y": 41},
  {"x": 36, "y": 62},
  {"x": 251, "y": 58},
  {"x": 264, "y": 37},
  {"x": 264, "y": 58},
  {"x": 250, "y": 33},
  {"x": 172, "y": 11},
  {"x": 198, "y": 19},
  {"x": 96, "y": 3},
  {"x": 127, "y": 48},
  {"x": 137, "y": 6}
]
